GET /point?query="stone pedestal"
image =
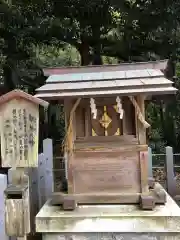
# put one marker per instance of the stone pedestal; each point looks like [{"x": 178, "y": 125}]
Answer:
[{"x": 98, "y": 221}]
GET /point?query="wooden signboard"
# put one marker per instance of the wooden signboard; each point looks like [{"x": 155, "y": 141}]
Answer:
[{"x": 19, "y": 129}]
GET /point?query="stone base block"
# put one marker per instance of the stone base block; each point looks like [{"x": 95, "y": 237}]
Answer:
[
  {"x": 113, "y": 236},
  {"x": 121, "y": 220}
]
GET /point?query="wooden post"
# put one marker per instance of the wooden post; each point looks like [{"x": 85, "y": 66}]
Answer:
[
  {"x": 147, "y": 200},
  {"x": 141, "y": 129},
  {"x": 142, "y": 140},
  {"x": 170, "y": 178},
  {"x": 87, "y": 121},
  {"x": 70, "y": 109},
  {"x": 17, "y": 214},
  {"x": 33, "y": 196},
  {"x": 144, "y": 172},
  {"x": 151, "y": 180},
  {"x": 67, "y": 108}
]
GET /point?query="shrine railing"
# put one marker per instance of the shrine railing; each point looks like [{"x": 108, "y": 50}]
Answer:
[{"x": 165, "y": 168}]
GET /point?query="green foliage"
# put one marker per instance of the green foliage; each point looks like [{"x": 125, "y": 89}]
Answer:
[
  {"x": 48, "y": 56},
  {"x": 46, "y": 33},
  {"x": 155, "y": 133},
  {"x": 146, "y": 30}
]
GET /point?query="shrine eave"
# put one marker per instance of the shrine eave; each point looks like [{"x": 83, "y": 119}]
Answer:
[
  {"x": 124, "y": 92},
  {"x": 16, "y": 94}
]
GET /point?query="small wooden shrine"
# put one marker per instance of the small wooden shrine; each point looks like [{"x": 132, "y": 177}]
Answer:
[{"x": 105, "y": 144}]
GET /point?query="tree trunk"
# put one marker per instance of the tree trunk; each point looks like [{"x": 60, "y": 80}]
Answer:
[
  {"x": 170, "y": 71},
  {"x": 8, "y": 78},
  {"x": 84, "y": 51},
  {"x": 97, "y": 59}
]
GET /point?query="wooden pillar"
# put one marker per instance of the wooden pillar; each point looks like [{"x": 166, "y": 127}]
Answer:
[
  {"x": 141, "y": 133},
  {"x": 125, "y": 121},
  {"x": 68, "y": 105},
  {"x": 88, "y": 130}
]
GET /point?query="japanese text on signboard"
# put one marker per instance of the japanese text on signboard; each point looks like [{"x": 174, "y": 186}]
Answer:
[{"x": 20, "y": 129}]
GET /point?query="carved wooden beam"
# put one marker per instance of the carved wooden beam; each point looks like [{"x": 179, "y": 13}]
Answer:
[{"x": 138, "y": 112}]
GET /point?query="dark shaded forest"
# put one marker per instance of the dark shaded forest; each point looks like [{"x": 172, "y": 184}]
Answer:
[{"x": 45, "y": 33}]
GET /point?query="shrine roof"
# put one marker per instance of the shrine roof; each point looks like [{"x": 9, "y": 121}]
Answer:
[
  {"x": 132, "y": 79},
  {"x": 98, "y": 76},
  {"x": 162, "y": 64},
  {"x": 20, "y": 94}
]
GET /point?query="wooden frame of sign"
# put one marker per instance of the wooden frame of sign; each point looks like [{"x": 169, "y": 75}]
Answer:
[{"x": 19, "y": 129}]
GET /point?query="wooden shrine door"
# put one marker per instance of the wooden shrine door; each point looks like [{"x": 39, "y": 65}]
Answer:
[{"x": 107, "y": 123}]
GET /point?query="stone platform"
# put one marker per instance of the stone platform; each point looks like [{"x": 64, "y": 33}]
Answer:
[{"x": 97, "y": 221}]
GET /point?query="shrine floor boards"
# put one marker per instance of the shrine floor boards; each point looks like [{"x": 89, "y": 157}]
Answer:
[{"x": 55, "y": 223}]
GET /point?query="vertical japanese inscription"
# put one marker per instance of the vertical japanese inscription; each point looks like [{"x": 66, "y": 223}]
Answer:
[
  {"x": 15, "y": 136},
  {"x": 25, "y": 137},
  {"x": 20, "y": 135},
  {"x": 20, "y": 123},
  {"x": 8, "y": 138},
  {"x": 32, "y": 128}
]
